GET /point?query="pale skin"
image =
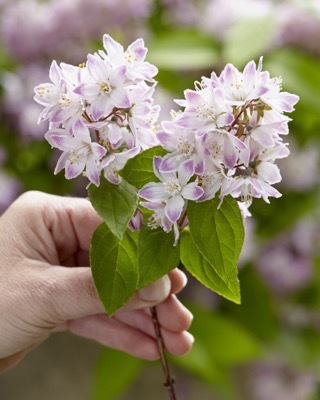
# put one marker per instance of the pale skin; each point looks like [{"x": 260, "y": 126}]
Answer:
[{"x": 46, "y": 285}]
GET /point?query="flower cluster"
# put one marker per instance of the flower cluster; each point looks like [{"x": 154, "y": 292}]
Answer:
[
  {"x": 100, "y": 113},
  {"x": 225, "y": 142}
]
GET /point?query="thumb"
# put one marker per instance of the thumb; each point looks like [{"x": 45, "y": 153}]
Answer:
[
  {"x": 75, "y": 295},
  {"x": 150, "y": 295}
]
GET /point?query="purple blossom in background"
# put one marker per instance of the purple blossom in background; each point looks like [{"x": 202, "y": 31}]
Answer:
[
  {"x": 22, "y": 113},
  {"x": 300, "y": 171},
  {"x": 43, "y": 26},
  {"x": 276, "y": 380},
  {"x": 299, "y": 26},
  {"x": 183, "y": 12},
  {"x": 286, "y": 263},
  {"x": 220, "y": 15}
]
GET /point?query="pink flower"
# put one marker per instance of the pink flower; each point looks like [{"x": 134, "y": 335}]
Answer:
[
  {"x": 136, "y": 222},
  {"x": 79, "y": 153},
  {"x": 159, "y": 219},
  {"x": 277, "y": 100},
  {"x": 105, "y": 88},
  {"x": 223, "y": 146},
  {"x": 173, "y": 189},
  {"x": 182, "y": 145},
  {"x": 62, "y": 105},
  {"x": 206, "y": 109},
  {"x": 114, "y": 162},
  {"x": 143, "y": 115},
  {"x": 241, "y": 87},
  {"x": 133, "y": 58}
]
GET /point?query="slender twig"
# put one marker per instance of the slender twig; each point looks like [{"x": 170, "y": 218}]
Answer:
[
  {"x": 236, "y": 120},
  {"x": 169, "y": 380}
]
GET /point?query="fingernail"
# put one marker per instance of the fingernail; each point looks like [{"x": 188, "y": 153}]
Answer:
[
  {"x": 191, "y": 337},
  {"x": 185, "y": 279},
  {"x": 190, "y": 315},
  {"x": 157, "y": 291}
]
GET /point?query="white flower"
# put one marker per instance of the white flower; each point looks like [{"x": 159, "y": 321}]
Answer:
[
  {"x": 182, "y": 144},
  {"x": 62, "y": 105},
  {"x": 105, "y": 88},
  {"x": 78, "y": 152},
  {"x": 114, "y": 162},
  {"x": 133, "y": 58},
  {"x": 173, "y": 189}
]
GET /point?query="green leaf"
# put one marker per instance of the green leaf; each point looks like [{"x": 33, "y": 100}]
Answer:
[
  {"x": 156, "y": 255},
  {"x": 116, "y": 204},
  {"x": 248, "y": 39},
  {"x": 114, "y": 267},
  {"x": 201, "y": 269},
  {"x": 113, "y": 373},
  {"x": 183, "y": 50},
  {"x": 139, "y": 170},
  {"x": 218, "y": 235}
]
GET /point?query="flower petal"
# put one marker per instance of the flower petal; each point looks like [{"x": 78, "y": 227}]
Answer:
[
  {"x": 268, "y": 172},
  {"x": 192, "y": 191},
  {"x": 120, "y": 98},
  {"x": 173, "y": 208},
  {"x": 169, "y": 142},
  {"x": 92, "y": 170},
  {"x": 98, "y": 150},
  {"x": 154, "y": 191},
  {"x": 170, "y": 163},
  {"x": 74, "y": 169},
  {"x": 185, "y": 172},
  {"x": 100, "y": 107}
]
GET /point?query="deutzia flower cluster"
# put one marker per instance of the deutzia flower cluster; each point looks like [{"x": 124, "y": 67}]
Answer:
[
  {"x": 100, "y": 113},
  {"x": 226, "y": 141}
]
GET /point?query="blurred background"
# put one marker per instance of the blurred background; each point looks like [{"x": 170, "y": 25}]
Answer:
[{"x": 269, "y": 347}]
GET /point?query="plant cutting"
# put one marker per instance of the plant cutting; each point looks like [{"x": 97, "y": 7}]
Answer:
[{"x": 168, "y": 194}]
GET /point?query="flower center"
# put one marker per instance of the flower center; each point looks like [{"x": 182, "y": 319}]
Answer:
[
  {"x": 130, "y": 57},
  {"x": 238, "y": 84},
  {"x": 64, "y": 100},
  {"x": 79, "y": 154},
  {"x": 185, "y": 147},
  {"x": 172, "y": 186},
  {"x": 205, "y": 112},
  {"x": 215, "y": 149},
  {"x": 105, "y": 87},
  {"x": 75, "y": 157},
  {"x": 154, "y": 221},
  {"x": 42, "y": 91},
  {"x": 276, "y": 83}
]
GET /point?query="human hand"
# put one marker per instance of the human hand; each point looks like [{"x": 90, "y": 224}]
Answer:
[{"x": 46, "y": 285}]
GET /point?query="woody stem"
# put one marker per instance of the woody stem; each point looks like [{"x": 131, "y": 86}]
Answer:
[{"x": 169, "y": 380}]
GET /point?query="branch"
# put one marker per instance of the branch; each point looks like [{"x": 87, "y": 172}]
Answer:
[{"x": 169, "y": 380}]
